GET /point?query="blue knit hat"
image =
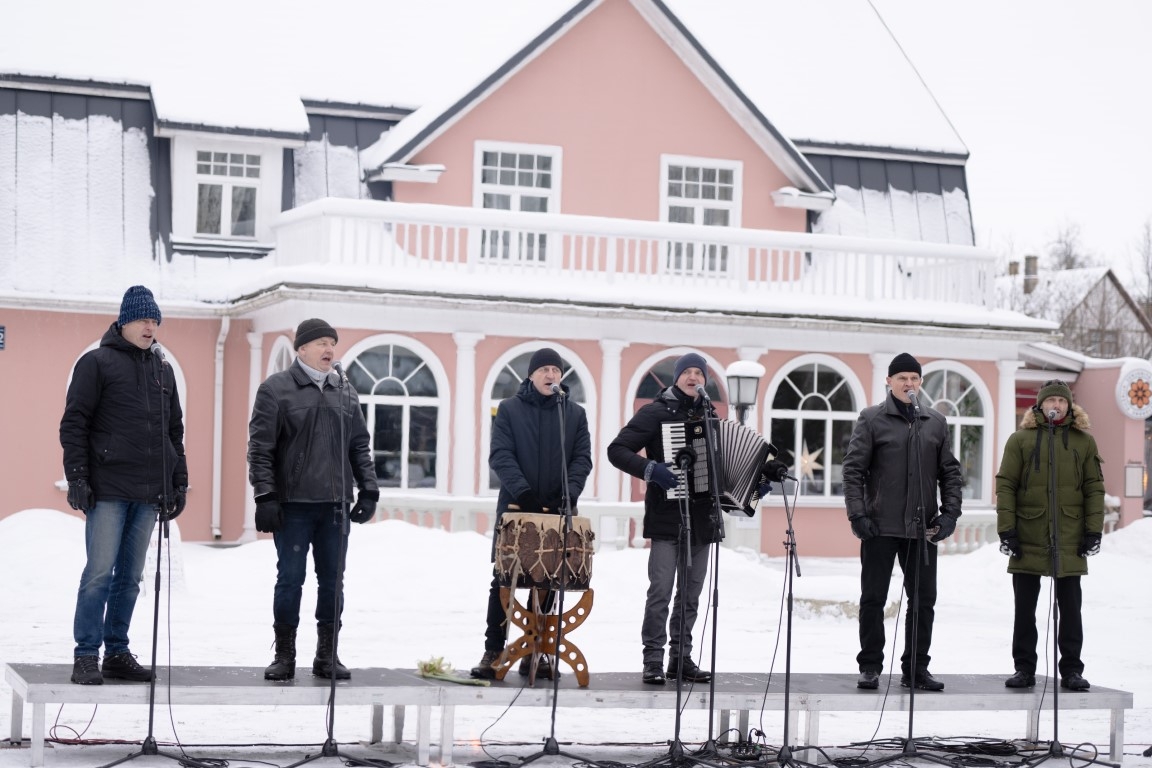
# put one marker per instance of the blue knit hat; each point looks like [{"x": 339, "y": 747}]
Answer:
[
  {"x": 138, "y": 304},
  {"x": 690, "y": 360}
]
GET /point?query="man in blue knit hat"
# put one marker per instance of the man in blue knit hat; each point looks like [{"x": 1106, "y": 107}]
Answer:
[{"x": 123, "y": 440}]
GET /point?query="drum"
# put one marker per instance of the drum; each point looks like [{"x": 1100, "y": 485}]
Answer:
[{"x": 530, "y": 553}]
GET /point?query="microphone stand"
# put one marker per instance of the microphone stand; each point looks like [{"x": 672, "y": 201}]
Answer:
[
  {"x": 148, "y": 746},
  {"x": 1055, "y": 748},
  {"x": 921, "y": 559},
  {"x": 551, "y": 745},
  {"x": 710, "y": 747},
  {"x": 340, "y": 510}
]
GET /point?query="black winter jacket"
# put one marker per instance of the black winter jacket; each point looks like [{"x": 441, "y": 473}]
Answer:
[
  {"x": 644, "y": 432},
  {"x": 122, "y": 423},
  {"x": 880, "y": 473},
  {"x": 294, "y": 449},
  {"x": 525, "y": 448}
]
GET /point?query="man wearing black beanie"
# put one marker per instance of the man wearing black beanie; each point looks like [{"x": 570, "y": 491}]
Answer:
[
  {"x": 526, "y": 455},
  {"x": 898, "y": 456}
]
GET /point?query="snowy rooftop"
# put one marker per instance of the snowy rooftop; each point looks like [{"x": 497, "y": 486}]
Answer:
[
  {"x": 1056, "y": 292},
  {"x": 804, "y": 68}
]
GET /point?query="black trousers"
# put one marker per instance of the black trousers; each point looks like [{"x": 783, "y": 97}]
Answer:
[
  {"x": 878, "y": 556},
  {"x": 1069, "y": 633}
]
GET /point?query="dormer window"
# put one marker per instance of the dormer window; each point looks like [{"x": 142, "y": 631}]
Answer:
[{"x": 227, "y": 184}]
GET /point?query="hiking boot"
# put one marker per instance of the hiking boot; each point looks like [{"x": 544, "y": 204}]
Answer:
[
  {"x": 124, "y": 667},
  {"x": 283, "y": 666},
  {"x": 688, "y": 671},
  {"x": 86, "y": 671},
  {"x": 1021, "y": 680},
  {"x": 924, "y": 681},
  {"x": 654, "y": 673},
  {"x": 1074, "y": 682},
  {"x": 543, "y": 667},
  {"x": 322, "y": 664},
  {"x": 869, "y": 679},
  {"x": 484, "y": 670}
]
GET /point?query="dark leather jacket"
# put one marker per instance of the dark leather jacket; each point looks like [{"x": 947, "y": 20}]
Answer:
[
  {"x": 880, "y": 469},
  {"x": 294, "y": 448},
  {"x": 122, "y": 423},
  {"x": 644, "y": 432}
]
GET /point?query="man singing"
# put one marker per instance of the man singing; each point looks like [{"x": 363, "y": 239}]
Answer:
[
  {"x": 890, "y": 492},
  {"x": 123, "y": 439},
  {"x": 302, "y": 475}
]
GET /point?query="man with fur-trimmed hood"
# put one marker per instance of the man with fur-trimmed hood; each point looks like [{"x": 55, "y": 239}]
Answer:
[{"x": 1052, "y": 445}]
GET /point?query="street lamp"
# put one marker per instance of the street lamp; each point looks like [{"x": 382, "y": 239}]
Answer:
[{"x": 743, "y": 380}]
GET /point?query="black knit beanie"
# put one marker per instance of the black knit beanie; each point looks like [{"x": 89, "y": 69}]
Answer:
[
  {"x": 689, "y": 360},
  {"x": 542, "y": 357},
  {"x": 904, "y": 363},
  {"x": 313, "y": 329}
]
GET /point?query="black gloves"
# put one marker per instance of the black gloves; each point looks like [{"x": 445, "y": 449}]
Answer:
[
  {"x": 1089, "y": 545},
  {"x": 1010, "y": 543},
  {"x": 763, "y": 490},
  {"x": 269, "y": 516},
  {"x": 663, "y": 476},
  {"x": 776, "y": 471},
  {"x": 529, "y": 502},
  {"x": 863, "y": 527},
  {"x": 80, "y": 495},
  {"x": 365, "y": 506},
  {"x": 947, "y": 526},
  {"x": 179, "y": 501}
]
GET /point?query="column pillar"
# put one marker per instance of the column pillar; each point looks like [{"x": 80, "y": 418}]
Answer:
[
  {"x": 1005, "y": 403},
  {"x": 609, "y": 480},
  {"x": 880, "y": 362},
  {"x": 464, "y": 415},
  {"x": 255, "y": 379}
]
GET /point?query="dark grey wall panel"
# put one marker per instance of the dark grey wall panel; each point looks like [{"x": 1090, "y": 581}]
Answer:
[
  {"x": 368, "y": 132},
  {"x": 100, "y": 105},
  {"x": 873, "y": 174},
  {"x": 341, "y": 131},
  {"x": 137, "y": 114},
  {"x": 34, "y": 103},
  {"x": 846, "y": 171},
  {"x": 160, "y": 151},
  {"x": 7, "y": 101},
  {"x": 927, "y": 178},
  {"x": 315, "y": 127},
  {"x": 70, "y": 106},
  {"x": 900, "y": 176},
  {"x": 953, "y": 177},
  {"x": 287, "y": 181}
]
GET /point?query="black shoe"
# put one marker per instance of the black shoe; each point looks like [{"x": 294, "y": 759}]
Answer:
[
  {"x": 86, "y": 671},
  {"x": 924, "y": 681},
  {"x": 868, "y": 679},
  {"x": 125, "y": 667},
  {"x": 543, "y": 667},
  {"x": 688, "y": 671},
  {"x": 1074, "y": 682},
  {"x": 484, "y": 670},
  {"x": 1021, "y": 680},
  {"x": 654, "y": 673},
  {"x": 323, "y": 665}
]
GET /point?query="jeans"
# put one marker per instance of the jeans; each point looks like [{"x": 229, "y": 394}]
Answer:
[
  {"x": 877, "y": 558},
  {"x": 116, "y": 536},
  {"x": 1069, "y": 634},
  {"x": 662, "y": 576},
  {"x": 318, "y": 526}
]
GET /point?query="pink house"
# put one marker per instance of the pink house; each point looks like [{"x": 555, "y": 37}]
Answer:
[{"x": 638, "y": 179}]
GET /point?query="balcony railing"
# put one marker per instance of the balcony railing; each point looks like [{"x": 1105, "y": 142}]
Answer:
[{"x": 628, "y": 260}]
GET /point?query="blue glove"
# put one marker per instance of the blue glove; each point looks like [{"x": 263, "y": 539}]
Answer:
[
  {"x": 946, "y": 524},
  {"x": 663, "y": 477},
  {"x": 763, "y": 490}
]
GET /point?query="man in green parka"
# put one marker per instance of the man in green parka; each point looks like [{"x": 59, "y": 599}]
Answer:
[{"x": 1054, "y": 431}]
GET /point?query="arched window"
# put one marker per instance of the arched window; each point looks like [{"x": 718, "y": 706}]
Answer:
[
  {"x": 401, "y": 403},
  {"x": 956, "y": 396},
  {"x": 813, "y": 411},
  {"x": 281, "y": 356},
  {"x": 507, "y": 383}
]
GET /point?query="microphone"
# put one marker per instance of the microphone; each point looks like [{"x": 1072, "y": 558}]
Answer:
[
  {"x": 340, "y": 370},
  {"x": 685, "y": 457},
  {"x": 914, "y": 399},
  {"x": 703, "y": 393},
  {"x": 557, "y": 390},
  {"x": 159, "y": 353},
  {"x": 1052, "y": 414}
]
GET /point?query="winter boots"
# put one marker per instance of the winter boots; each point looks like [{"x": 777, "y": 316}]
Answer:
[
  {"x": 86, "y": 671},
  {"x": 123, "y": 666},
  {"x": 322, "y": 664},
  {"x": 484, "y": 670},
  {"x": 283, "y": 667}
]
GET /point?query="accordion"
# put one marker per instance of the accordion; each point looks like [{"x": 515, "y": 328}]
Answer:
[{"x": 739, "y": 453}]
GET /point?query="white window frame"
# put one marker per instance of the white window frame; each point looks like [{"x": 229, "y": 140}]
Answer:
[
  {"x": 186, "y": 183},
  {"x": 734, "y": 207},
  {"x": 518, "y": 252},
  {"x": 983, "y": 495}
]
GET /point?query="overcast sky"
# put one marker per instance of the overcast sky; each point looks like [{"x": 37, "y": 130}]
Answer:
[{"x": 1051, "y": 97}]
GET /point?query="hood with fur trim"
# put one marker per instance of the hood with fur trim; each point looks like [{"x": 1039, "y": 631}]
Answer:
[{"x": 1034, "y": 419}]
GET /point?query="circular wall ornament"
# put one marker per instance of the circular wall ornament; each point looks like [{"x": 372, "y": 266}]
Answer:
[{"x": 1134, "y": 391}]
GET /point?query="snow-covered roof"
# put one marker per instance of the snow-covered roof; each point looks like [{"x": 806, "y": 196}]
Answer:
[
  {"x": 1055, "y": 294},
  {"x": 827, "y": 74}
]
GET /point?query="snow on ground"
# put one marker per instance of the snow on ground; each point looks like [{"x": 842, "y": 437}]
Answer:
[{"x": 413, "y": 594}]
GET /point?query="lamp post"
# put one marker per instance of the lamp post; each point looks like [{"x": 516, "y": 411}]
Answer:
[{"x": 743, "y": 380}]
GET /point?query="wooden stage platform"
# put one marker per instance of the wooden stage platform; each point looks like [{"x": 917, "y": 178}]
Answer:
[{"x": 810, "y": 694}]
